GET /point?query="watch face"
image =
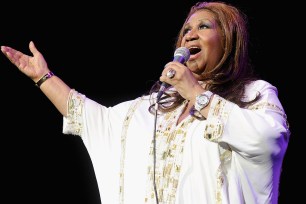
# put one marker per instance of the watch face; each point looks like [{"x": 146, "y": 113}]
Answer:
[{"x": 203, "y": 100}]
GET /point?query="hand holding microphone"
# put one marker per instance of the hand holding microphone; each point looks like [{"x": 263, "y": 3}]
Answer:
[
  {"x": 171, "y": 73},
  {"x": 181, "y": 55}
]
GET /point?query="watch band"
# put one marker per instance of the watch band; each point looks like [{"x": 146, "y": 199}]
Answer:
[
  {"x": 44, "y": 78},
  {"x": 202, "y": 100}
]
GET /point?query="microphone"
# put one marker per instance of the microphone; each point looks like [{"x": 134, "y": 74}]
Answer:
[{"x": 181, "y": 55}]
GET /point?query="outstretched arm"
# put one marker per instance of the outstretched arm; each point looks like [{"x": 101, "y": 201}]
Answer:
[{"x": 35, "y": 67}]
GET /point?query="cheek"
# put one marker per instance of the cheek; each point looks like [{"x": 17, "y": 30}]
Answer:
[
  {"x": 216, "y": 47},
  {"x": 183, "y": 42}
]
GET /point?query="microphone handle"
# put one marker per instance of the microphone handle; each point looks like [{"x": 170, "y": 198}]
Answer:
[
  {"x": 161, "y": 91},
  {"x": 178, "y": 57}
]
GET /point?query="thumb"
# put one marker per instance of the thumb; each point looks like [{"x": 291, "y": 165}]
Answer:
[{"x": 33, "y": 48}]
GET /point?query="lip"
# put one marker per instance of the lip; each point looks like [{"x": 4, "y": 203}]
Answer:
[{"x": 195, "y": 56}]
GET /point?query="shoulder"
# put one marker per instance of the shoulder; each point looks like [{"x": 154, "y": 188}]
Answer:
[{"x": 260, "y": 86}]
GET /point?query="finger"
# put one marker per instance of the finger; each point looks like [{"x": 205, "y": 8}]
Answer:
[
  {"x": 5, "y": 49},
  {"x": 171, "y": 73},
  {"x": 33, "y": 48}
]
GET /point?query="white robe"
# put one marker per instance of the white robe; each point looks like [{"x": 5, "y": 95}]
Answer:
[{"x": 235, "y": 156}]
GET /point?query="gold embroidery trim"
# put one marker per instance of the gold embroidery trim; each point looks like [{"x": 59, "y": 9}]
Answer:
[
  {"x": 127, "y": 120},
  {"x": 170, "y": 148}
]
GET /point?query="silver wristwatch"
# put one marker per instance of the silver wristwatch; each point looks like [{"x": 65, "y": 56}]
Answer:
[{"x": 202, "y": 100}]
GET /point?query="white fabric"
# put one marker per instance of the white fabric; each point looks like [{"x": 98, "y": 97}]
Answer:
[{"x": 255, "y": 138}]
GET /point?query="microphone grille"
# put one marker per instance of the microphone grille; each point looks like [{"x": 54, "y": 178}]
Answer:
[{"x": 182, "y": 51}]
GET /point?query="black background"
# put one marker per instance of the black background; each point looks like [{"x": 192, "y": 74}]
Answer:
[{"x": 113, "y": 52}]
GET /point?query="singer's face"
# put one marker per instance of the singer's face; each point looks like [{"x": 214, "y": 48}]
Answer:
[{"x": 202, "y": 36}]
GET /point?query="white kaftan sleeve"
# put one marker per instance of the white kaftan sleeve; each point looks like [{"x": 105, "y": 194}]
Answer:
[
  {"x": 252, "y": 141},
  {"x": 73, "y": 122},
  {"x": 261, "y": 129}
]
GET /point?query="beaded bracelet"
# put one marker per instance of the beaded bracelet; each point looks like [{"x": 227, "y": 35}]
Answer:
[{"x": 44, "y": 78}]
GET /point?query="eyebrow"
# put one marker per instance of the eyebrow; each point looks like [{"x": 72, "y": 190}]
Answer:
[{"x": 212, "y": 21}]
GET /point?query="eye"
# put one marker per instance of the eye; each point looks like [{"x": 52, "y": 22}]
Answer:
[
  {"x": 186, "y": 30},
  {"x": 200, "y": 27},
  {"x": 203, "y": 26}
]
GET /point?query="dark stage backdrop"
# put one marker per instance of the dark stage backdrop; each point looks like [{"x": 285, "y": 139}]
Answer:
[{"x": 113, "y": 52}]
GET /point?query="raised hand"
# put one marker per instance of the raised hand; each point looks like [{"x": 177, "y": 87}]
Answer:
[{"x": 32, "y": 66}]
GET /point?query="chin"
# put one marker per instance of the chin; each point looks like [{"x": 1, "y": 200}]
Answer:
[{"x": 193, "y": 66}]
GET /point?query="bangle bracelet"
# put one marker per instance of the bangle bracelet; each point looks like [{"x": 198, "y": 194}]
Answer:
[{"x": 44, "y": 78}]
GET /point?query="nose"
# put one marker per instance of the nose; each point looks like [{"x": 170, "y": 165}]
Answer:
[{"x": 191, "y": 35}]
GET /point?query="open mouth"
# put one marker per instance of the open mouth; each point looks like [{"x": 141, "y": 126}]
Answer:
[{"x": 194, "y": 50}]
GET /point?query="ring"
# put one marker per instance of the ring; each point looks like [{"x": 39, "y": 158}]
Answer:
[{"x": 171, "y": 73}]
